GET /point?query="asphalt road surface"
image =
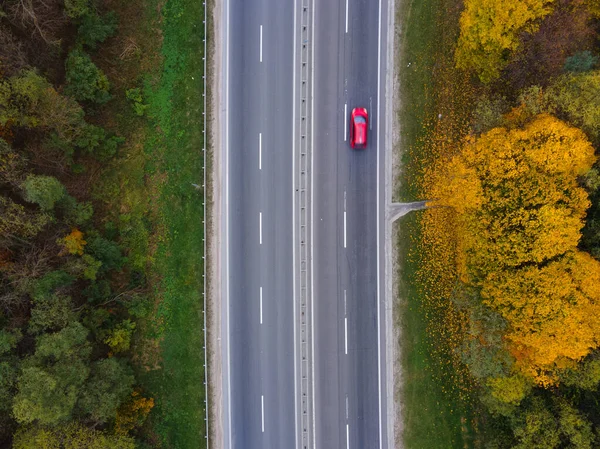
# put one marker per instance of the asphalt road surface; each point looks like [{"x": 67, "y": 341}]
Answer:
[
  {"x": 261, "y": 389},
  {"x": 347, "y": 223},
  {"x": 261, "y": 409}
]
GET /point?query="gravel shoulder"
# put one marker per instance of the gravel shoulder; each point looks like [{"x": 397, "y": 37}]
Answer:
[{"x": 214, "y": 212}]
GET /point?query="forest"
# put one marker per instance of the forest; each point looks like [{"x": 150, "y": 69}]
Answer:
[
  {"x": 80, "y": 152},
  {"x": 515, "y": 220}
]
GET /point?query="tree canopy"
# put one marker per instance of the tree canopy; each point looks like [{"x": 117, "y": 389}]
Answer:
[{"x": 520, "y": 212}]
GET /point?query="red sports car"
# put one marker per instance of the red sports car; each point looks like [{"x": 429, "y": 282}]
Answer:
[{"x": 359, "y": 124}]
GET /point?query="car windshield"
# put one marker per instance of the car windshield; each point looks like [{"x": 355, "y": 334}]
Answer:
[{"x": 359, "y": 119}]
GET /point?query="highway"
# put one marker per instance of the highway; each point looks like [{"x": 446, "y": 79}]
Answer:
[
  {"x": 347, "y": 224},
  {"x": 261, "y": 408},
  {"x": 262, "y": 72}
]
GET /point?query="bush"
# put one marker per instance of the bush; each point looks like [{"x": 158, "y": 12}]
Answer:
[
  {"x": 96, "y": 29},
  {"x": 137, "y": 100},
  {"x": 95, "y": 141},
  {"x": 85, "y": 81},
  {"x": 77, "y": 8},
  {"x": 44, "y": 191}
]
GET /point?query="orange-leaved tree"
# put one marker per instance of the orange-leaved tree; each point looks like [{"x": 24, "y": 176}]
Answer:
[
  {"x": 520, "y": 211},
  {"x": 489, "y": 32}
]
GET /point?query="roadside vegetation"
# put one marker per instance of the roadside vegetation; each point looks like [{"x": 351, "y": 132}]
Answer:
[
  {"x": 504, "y": 267},
  {"x": 101, "y": 235}
]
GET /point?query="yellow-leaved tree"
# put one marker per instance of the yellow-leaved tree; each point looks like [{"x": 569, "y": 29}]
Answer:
[
  {"x": 520, "y": 211},
  {"x": 489, "y": 32}
]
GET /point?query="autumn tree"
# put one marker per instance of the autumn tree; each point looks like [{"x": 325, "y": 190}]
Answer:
[
  {"x": 69, "y": 436},
  {"x": 520, "y": 210},
  {"x": 489, "y": 33}
]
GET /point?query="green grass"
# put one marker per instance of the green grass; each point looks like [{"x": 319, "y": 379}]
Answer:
[
  {"x": 434, "y": 413},
  {"x": 174, "y": 161},
  {"x": 417, "y": 47},
  {"x": 434, "y": 410}
]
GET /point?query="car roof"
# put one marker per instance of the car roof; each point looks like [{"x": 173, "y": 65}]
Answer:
[{"x": 360, "y": 132}]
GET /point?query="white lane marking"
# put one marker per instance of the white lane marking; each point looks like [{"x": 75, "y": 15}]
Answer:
[
  {"x": 261, "y": 305},
  {"x": 260, "y": 151},
  {"x": 347, "y": 436},
  {"x": 345, "y": 121},
  {"x": 226, "y": 216},
  {"x": 260, "y": 227},
  {"x": 346, "y": 16},
  {"x": 262, "y": 412},
  {"x": 312, "y": 227},
  {"x": 346, "y": 407},
  {"x": 378, "y": 206},
  {"x": 294, "y": 296},
  {"x": 344, "y": 229},
  {"x": 261, "y": 43},
  {"x": 345, "y": 308},
  {"x": 346, "y": 335}
]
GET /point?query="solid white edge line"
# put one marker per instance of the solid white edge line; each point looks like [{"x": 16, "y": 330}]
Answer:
[
  {"x": 261, "y": 43},
  {"x": 260, "y": 301},
  {"x": 345, "y": 121},
  {"x": 346, "y": 335},
  {"x": 260, "y": 227},
  {"x": 346, "y": 16},
  {"x": 226, "y": 214},
  {"x": 344, "y": 229},
  {"x": 260, "y": 151},
  {"x": 378, "y": 212},
  {"x": 312, "y": 209},
  {"x": 294, "y": 293},
  {"x": 262, "y": 412}
]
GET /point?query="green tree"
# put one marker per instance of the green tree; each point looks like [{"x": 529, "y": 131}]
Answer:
[
  {"x": 30, "y": 101},
  {"x": 119, "y": 339},
  {"x": 584, "y": 61},
  {"x": 44, "y": 191},
  {"x": 17, "y": 221},
  {"x": 95, "y": 28},
  {"x": 109, "y": 385},
  {"x": 576, "y": 98},
  {"x": 95, "y": 141},
  {"x": 50, "y": 381},
  {"x": 85, "y": 81},
  {"x": 107, "y": 252},
  {"x": 51, "y": 313},
  {"x": 8, "y": 384},
  {"x": 536, "y": 428},
  {"x": 75, "y": 213}
]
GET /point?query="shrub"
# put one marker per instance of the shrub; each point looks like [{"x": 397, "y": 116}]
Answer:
[
  {"x": 85, "y": 81},
  {"x": 137, "y": 100},
  {"x": 77, "y": 8}
]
